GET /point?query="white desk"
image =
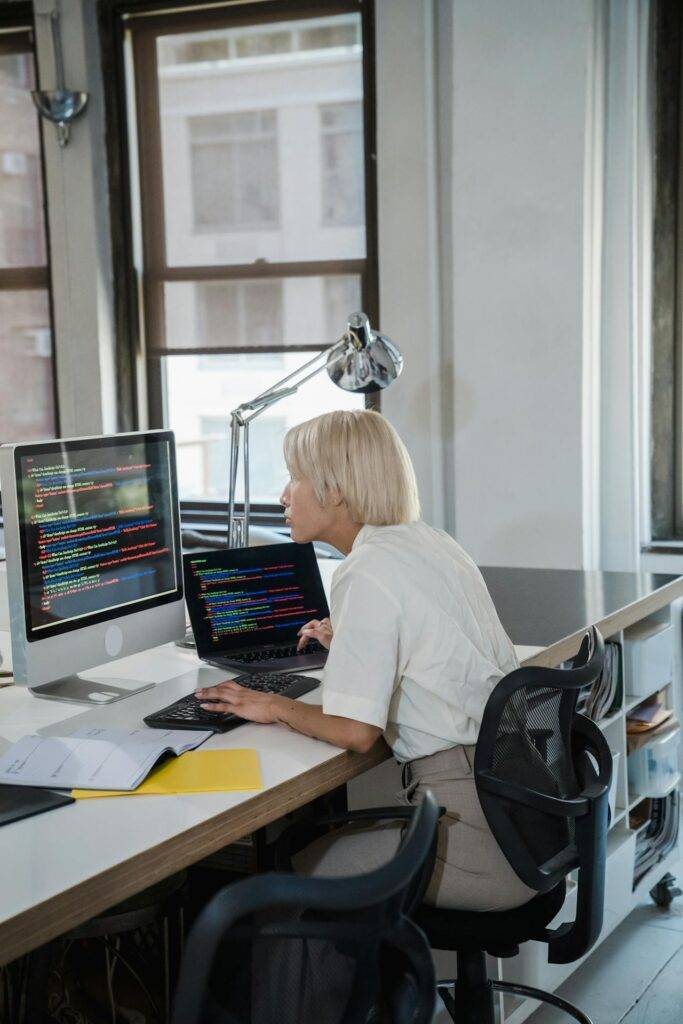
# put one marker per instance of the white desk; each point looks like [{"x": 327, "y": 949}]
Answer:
[
  {"x": 64, "y": 867},
  {"x": 61, "y": 868}
]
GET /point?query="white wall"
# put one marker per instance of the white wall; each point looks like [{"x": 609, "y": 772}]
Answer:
[
  {"x": 408, "y": 235},
  {"x": 520, "y": 80},
  {"x": 626, "y": 301}
]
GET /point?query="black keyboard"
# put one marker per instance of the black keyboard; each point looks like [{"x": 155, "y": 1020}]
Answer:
[
  {"x": 187, "y": 713},
  {"x": 271, "y": 653}
]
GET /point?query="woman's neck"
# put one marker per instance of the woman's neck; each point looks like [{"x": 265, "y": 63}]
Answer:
[{"x": 342, "y": 535}]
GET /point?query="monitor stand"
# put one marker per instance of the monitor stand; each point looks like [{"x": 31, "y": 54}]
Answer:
[{"x": 78, "y": 690}]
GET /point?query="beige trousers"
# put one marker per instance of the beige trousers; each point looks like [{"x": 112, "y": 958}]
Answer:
[{"x": 471, "y": 872}]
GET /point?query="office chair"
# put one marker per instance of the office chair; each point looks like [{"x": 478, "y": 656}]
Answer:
[
  {"x": 390, "y": 970},
  {"x": 542, "y": 773}
]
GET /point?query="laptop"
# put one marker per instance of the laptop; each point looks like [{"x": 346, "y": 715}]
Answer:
[{"x": 247, "y": 605}]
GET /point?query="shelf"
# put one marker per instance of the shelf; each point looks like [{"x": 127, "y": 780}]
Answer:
[
  {"x": 633, "y": 700},
  {"x": 634, "y": 799},
  {"x": 604, "y": 723},
  {"x": 664, "y": 732}
]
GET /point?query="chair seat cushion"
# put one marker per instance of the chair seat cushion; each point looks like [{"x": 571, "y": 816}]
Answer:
[{"x": 498, "y": 932}]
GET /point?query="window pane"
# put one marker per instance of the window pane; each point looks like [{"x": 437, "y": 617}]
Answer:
[
  {"x": 262, "y": 143},
  {"x": 22, "y": 236},
  {"x": 343, "y": 186},
  {"x": 342, "y": 297},
  {"x": 261, "y": 44},
  {"x": 280, "y": 311},
  {"x": 338, "y": 33},
  {"x": 234, "y": 171},
  {"x": 26, "y": 397},
  {"x": 199, "y": 404}
]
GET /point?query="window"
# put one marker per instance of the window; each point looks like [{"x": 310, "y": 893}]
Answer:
[
  {"x": 240, "y": 313},
  {"x": 234, "y": 171},
  {"x": 266, "y": 464},
  {"x": 341, "y": 295},
  {"x": 666, "y": 395},
  {"x": 27, "y": 399},
  {"x": 257, "y": 218},
  {"x": 261, "y": 41},
  {"x": 343, "y": 201}
]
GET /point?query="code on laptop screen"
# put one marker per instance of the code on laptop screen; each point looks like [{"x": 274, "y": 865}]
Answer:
[{"x": 247, "y": 597}]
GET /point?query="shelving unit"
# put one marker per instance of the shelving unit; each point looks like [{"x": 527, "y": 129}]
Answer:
[{"x": 531, "y": 966}]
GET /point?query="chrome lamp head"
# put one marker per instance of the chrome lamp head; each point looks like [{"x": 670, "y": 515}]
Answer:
[{"x": 363, "y": 361}]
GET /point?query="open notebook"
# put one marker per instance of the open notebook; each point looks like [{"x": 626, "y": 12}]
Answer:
[{"x": 93, "y": 758}]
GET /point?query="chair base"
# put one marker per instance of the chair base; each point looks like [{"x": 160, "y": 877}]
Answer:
[{"x": 470, "y": 1005}]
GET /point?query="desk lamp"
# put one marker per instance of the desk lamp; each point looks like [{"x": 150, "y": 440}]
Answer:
[{"x": 361, "y": 360}]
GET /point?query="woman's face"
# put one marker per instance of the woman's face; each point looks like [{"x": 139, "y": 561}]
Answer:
[{"x": 306, "y": 517}]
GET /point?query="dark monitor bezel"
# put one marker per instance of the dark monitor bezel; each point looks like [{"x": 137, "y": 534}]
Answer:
[
  {"x": 106, "y": 615},
  {"x": 231, "y": 557}
]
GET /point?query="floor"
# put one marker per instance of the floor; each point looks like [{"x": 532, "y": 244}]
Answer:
[{"x": 635, "y": 977}]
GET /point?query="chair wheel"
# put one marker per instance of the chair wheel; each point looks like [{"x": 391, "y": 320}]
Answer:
[{"x": 665, "y": 891}]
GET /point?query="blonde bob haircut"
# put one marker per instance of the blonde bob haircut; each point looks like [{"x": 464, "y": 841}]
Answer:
[{"x": 358, "y": 454}]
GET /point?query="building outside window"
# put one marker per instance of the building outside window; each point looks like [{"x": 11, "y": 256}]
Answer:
[
  {"x": 249, "y": 312},
  {"x": 235, "y": 181},
  {"x": 27, "y": 392},
  {"x": 254, "y": 142},
  {"x": 343, "y": 199}
]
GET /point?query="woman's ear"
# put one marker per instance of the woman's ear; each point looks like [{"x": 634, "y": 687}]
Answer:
[{"x": 333, "y": 498}]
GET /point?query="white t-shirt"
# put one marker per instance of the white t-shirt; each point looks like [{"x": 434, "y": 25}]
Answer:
[{"x": 418, "y": 645}]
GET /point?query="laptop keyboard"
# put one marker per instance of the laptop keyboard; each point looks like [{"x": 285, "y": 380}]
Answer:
[{"x": 271, "y": 653}]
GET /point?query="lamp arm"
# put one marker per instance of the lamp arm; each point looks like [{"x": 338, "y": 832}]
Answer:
[
  {"x": 233, "y": 529},
  {"x": 280, "y": 386},
  {"x": 278, "y": 390},
  {"x": 238, "y": 528}
]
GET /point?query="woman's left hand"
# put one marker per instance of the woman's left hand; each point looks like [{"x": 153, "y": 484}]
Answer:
[{"x": 248, "y": 704}]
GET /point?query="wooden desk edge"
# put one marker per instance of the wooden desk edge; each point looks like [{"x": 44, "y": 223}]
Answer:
[{"x": 61, "y": 913}]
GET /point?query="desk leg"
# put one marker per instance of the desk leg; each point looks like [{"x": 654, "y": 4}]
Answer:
[{"x": 36, "y": 985}]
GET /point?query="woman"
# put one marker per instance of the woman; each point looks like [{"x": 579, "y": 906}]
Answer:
[{"x": 415, "y": 644}]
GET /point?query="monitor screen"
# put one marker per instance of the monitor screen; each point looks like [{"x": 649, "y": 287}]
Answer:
[
  {"x": 98, "y": 527},
  {"x": 247, "y": 597}
]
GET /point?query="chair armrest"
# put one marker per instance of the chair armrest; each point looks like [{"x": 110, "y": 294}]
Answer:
[
  {"x": 561, "y": 807},
  {"x": 572, "y": 939},
  {"x": 588, "y": 739}
]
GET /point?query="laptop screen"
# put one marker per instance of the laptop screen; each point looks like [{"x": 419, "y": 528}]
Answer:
[{"x": 245, "y": 598}]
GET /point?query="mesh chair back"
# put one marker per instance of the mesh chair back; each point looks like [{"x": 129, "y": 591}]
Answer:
[
  {"x": 526, "y": 749},
  {"x": 532, "y": 749},
  {"x": 285, "y": 949}
]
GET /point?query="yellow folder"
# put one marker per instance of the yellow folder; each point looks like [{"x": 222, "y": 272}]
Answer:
[{"x": 198, "y": 771}]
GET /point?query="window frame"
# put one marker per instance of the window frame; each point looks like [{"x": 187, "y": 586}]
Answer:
[
  {"x": 666, "y": 383},
  {"x": 17, "y": 37},
  {"x": 144, "y": 321}
]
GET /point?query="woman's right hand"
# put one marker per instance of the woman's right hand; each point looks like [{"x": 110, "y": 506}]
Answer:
[{"x": 316, "y": 629}]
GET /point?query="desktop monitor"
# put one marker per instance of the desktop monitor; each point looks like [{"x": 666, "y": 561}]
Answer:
[{"x": 94, "y": 564}]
